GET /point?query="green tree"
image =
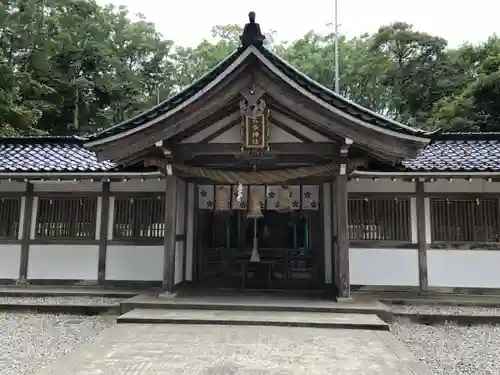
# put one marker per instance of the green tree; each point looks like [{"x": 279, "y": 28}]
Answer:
[
  {"x": 477, "y": 107},
  {"x": 411, "y": 73},
  {"x": 73, "y": 67}
]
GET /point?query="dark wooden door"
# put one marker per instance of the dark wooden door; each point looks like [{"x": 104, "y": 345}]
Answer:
[{"x": 289, "y": 245}]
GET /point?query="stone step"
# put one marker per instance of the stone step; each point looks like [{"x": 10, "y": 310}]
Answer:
[
  {"x": 256, "y": 304},
  {"x": 255, "y": 318}
]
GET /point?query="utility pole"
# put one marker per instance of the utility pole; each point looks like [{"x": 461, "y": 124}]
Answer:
[{"x": 337, "y": 48}]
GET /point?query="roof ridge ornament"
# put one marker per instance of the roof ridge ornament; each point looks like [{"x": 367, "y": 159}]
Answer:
[{"x": 251, "y": 33}]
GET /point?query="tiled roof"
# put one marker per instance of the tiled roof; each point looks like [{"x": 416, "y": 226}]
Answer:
[
  {"x": 447, "y": 152},
  {"x": 49, "y": 154},
  {"x": 301, "y": 79},
  {"x": 465, "y": 152}
]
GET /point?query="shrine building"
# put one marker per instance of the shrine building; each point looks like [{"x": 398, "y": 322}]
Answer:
[{"x": 254, "y": 177}]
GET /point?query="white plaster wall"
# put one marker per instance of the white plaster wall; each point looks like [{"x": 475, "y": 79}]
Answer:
[
  {"x": 134, "y": 263},
  {"x": 190, "y": 231},
  {"x": 10, "y": 261},
  {"x": 179, "y": 261},
  {"x": 326, "y": 205},
  {"x": 464, "y": 268},
  {"x": 12, "y": 186},
  {"x": 150, "y": 185},
  {"x": 380, "y": 186},
  {"x": 387, "y": 267},
  {"x": 63, "y": 262},
  {"x": 67, "y": 186},
  {"x": 462, "y": 186}
]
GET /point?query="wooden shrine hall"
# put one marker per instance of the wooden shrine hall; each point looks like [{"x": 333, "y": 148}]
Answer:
[
  {"x": 266, "y": 148},
  {"x": 254, "y": 177}
]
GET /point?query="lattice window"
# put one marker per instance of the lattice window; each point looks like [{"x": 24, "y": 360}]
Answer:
[
  {"x": 375, "y": 219},
  {"x": 66, "y": 217},
  {"x": 465, "y": 220},
  {"x": 10, "y": 215},
  {"x": 139, "y": 217}
]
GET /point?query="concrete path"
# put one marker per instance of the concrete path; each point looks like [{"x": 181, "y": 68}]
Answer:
[{"x": 136, "y": 349}]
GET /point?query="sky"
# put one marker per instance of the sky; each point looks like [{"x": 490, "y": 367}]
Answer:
[{"x": 187, "y": 22}]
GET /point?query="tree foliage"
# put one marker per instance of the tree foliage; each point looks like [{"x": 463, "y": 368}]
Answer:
[{"x": 73, "y": 67}]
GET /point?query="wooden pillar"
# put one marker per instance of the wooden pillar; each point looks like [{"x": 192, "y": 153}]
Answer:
[
  {"x": 26, "y": 217},
  {"x": 333, "y": 236},
  {"x": 422, "y": 238},
  {"x": 170, "y": 232},
  {"x": 341, "y": 196},
  {"x": 103, "y": 231},
  {"x": 344, "y": 285}
]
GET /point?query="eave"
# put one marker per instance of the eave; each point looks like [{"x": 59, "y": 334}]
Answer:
[{"x": 176, "y": 114}]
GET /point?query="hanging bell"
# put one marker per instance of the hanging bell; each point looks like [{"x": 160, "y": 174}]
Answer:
[
  {"x": 222, "y": 198},
  {"x": 284, "y": 203},
  {"x": 255, "y": 257},
  {"x": 254, "y": 207}
]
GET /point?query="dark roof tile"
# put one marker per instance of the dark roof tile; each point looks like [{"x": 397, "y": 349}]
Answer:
[
  {"x": 447, "y": 152},
  {"x": 50, "y": 154},
  {"x": 466, "y": 152}
]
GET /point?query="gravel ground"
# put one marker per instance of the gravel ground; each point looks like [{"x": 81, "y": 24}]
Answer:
[
  {"x": 28, "y": 341},
  {"x": 65, "y": 300},
  {"x": 449, "y": 349},
  {"x": 446, "y": 310}
]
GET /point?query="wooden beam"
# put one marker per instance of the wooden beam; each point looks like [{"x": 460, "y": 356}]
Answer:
[
  {"x": 187, "y": 151},
  {"x": 222, "y": 130},
  {"x": 422, "y": 238},
  {"x": 170, "y": 232},
  {"x": 275, "y": 162},
  {"x": 289, "y": 113},
  {"x": 300, "y": 181},
  {"x": 226, "y": 115}
]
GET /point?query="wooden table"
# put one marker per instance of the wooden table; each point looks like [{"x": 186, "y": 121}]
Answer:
[{"x": 265, "y": 263}]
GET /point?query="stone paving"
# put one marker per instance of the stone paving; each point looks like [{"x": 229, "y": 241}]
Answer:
[{"x": 133, "y": 349}]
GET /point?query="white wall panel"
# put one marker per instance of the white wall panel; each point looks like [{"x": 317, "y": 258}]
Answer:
[
  {"x": 134, "y": 263},
  {"x": 391, "y": 267},
  {"x": 10, "y": 261},
  {"x": 63, "y": 262},
  {"x": 464, "y": 268}
]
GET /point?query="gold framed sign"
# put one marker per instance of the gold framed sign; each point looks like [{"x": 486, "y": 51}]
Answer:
[{"x": 255, "y": 132}]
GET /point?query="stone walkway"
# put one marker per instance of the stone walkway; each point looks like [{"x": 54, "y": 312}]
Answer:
[{"x": 133, "y": 349}]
